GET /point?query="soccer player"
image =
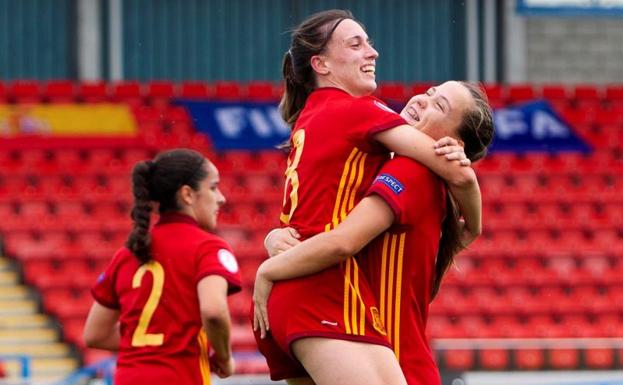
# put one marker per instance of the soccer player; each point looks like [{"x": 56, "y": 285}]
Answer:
[
  {"x": 162, "y": 300},
  {"x": 341, "y": 136},
  {"x": 405, "y": 265}
]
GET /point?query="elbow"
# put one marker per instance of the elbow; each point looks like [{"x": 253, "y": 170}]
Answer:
[
  {"x": 91, "y": 340},
  {"x": 215, "y": 315},
  {"x": 464, "y": 178},
  {"x": 346, "y": 247}
]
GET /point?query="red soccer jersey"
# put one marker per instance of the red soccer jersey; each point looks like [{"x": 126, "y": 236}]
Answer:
[
  {"x": 400, "y": 264},
  {"x": 162, "y": 338},
  {"x": 333, "y": 159}
]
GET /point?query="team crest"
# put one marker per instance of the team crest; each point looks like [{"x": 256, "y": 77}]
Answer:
[{"x": 377, "y": 322}]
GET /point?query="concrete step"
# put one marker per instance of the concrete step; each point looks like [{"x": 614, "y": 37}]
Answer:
[
  {"x": 43, "y": 370},
  {"x": 19, "y": 336},
  {"x": 8, "y": 277},
  {"x": 17, "y": 306},
  {"x": 14, "y": 292},
  {"x": 37, "y": 350},
  {"x": 25, "y": 321}
]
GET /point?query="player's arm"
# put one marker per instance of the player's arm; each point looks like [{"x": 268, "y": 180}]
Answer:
[
  {"x": 212, "y": 292},
  {"x": 408, "y": 141},
  {"x": 101, "y": 329},
  {"x": 365, "y": 222}
]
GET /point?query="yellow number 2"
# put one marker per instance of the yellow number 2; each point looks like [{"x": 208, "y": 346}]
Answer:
[
  {"x": 140, "y": 336},
  {"x": 292, "y": 177}
]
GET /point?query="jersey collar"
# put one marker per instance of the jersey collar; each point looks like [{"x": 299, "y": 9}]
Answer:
[{"x": 176, "y": 217}]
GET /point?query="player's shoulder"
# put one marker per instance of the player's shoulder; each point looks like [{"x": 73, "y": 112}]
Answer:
[{"x": 372, "y": 104}]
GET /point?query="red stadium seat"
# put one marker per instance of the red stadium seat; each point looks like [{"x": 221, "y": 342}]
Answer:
[
  {"x": 529, "y": 359},
  {"x": 564, "y": 358},
  {"x": 494, "y": 359},
  {"x": 459, "y": 360},
  {"x": 262, "y": 91},
  {"x": 128, "y": 92},
  {"x": 599, "y": 358},
  {"x": 93, "y": 92},
  {"x": 25, "y": 91},
  {"x": 3, "y": 92},
  {"x": 59, "y": 91},
  {"x": 518, "y": 93},
  {"x": 160, "y": 89},
  {"x": 554, "y": 92},
  {"x": 194, "y": 90},
  {"x": 614, "y": 93},
  {"x": 226, "y": 90},
  {"x": 393, "y": 91},
  {"x": 583, "y": 92}
]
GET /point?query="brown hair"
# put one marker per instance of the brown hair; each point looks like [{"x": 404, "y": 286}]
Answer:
[
  {"x": 476, "y": 132},
  {"x": 158, "y": 180},
  {"x": 310, "y": 38}
]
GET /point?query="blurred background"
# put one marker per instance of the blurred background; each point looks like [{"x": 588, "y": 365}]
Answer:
[{"x": 89, "y": 87}]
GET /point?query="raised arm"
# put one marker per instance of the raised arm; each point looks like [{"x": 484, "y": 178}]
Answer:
[{"x": 408, "y": 141}]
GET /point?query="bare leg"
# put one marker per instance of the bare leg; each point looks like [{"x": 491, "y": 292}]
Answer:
[
  {"x": 300, "y": 381},
  {"x": 340, "y": 362}
]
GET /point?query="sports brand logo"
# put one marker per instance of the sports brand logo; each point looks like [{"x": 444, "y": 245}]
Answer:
[
  {"x": 377, "y": 322},
  {"x": 228, "y": 260},
  {"x": 383, "y": 106}
]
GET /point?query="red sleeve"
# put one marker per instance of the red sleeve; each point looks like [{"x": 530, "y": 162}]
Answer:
[
  {"x": 369, "y": 116},
  {"x": 402, "y": 183},
  {"x": 104, "y": 289},
  {"x": 215, "y": 257}
]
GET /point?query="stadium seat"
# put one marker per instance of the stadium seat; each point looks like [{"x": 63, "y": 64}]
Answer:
[
  {"x": 529, "y": 359},
  {"x": 160, "y": 90},
  {"x": 3, "y": 92},
  {"x": 194, "y": 90},
  {"x": 93, "y": 92},
  {"x": 614, "y": 93},
  {"x": 262, "y": 91},
  {"x": 129, "y": 92},
  {"x": 564, "y": 358},
  {"x": 520, "y": 93},
  {"x": 25, "y": 91},
  {"x": 458, "y": 360},
  {"x": 599, "y": 358},
  {"x": 227, "y": 90},
  {"x": 493, "y": 359},
  {"x": 393, "y": 91},
  {"x": 59, "y": 91}
]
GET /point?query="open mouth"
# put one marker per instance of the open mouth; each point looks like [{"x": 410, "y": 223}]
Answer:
[
  {"x": 368, "y": 69},
  {"x": 413, "y": 113}
]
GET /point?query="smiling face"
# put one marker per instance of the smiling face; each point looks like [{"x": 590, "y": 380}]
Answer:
[
  {"x": 440, "y": 111},
  {"x": 348, "y": 62},
  {"x": 206, "y": 201}
]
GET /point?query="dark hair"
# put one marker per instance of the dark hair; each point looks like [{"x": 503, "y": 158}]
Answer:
[
  {"x": 308, "y": 39},
  {"x": 158, "y": 180},
  {"x": 476, "y": 132}
]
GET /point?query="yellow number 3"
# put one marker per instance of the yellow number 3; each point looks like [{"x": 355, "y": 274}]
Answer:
[{"x": 140, "y": 336}]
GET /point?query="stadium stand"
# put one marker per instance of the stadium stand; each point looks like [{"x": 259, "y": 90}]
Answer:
[{"x": 547, "y": 267}]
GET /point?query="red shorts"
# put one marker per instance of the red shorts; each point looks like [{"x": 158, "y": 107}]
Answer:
[{"x": 336, "y": 303}]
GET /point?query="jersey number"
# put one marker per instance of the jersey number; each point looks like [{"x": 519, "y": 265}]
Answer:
[
  {"x": 292, "y": 177},
  {"x": 140, "y": 336}
]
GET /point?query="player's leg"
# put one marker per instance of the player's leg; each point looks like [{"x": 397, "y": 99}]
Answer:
[
  {"x": 300, "y": 381},
  {"x": 334, "y": 361}
]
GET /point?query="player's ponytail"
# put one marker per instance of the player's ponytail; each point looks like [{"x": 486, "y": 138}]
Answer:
[
  {"x": 310, "y": 38},
  {"x": 158, "y": 181},
  {"x": 139, "y": 240}
]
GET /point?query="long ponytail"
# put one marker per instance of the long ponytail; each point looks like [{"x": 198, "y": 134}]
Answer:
[{"x": 139, "y": 240}]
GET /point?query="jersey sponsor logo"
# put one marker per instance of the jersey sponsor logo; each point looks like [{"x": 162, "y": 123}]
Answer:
[
  {"x": 383, "y": 106},
  {"x": 391, "y": 182},
  {"x": 325, "y": 322},
  {"x": 227, "y": 259},
  {"x": 377, "y": 322}
]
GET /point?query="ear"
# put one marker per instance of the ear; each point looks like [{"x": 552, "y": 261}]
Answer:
[
  {"x": 319, "y": 65},
  {"x": 185, "y": 195}
]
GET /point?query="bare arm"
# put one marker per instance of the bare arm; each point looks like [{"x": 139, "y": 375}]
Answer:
[
  {"x": 408, "y": 141},
  {"x": 368, "y": 219},
  {"x": 212, "y": 292},
  {"x": 101, "y": 329}
]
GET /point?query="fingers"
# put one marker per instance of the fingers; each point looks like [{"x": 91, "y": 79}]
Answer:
[
  {"x": 446, "y": 141},
  {"x": 465, "y": 162},
  {"x": 449, "y": 150},
  {"x": 293, "y": 232}
]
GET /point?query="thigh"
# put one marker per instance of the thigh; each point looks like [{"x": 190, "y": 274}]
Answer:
[{"x": 334, "y": 361}]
